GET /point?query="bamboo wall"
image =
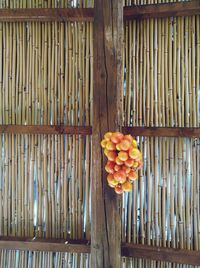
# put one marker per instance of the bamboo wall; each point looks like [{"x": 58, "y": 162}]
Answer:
[
  {"x": 162, "y": 88},
  {"x": 23, "y": 259},
  {"x": 46, "y": 77}
]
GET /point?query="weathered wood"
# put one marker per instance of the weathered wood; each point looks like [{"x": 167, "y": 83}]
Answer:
[
  {"x": 87, "y": 14},
  {"x": 162, "y": 10},
  {"x": 105, "y": 215},
  {"x": 46, "y": 129},
  {"x": 161, "y": 254},
  {"x": 162, "y": 131},
  {"x": 42, "y": 244},
  {"x": 46, "y": 14}
]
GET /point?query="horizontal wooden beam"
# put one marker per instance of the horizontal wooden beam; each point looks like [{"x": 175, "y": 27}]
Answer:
[
  {"x": 162, "y": 131},
  {"x": 46, "y": 14},
  {"x": 190, "y": 257},
  {"x": 42, "y": 244},
  {"x": 46, "y": 129},
  {"x": 162, "y": 10},
  {"x": 87, "y": 130},
  {"x": 87, "y": 14}
]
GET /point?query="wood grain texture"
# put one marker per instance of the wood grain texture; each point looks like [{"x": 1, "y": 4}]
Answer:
[
  {"x": 46, "y": 14},
  {"x": 162, "y": 10},
  {"x": 45, "y": 129},
  {"x": 39, "y": 244},
  {"x": 162, "y": 131},
  {"x": 161, "y": 254},
  {"x": 87, "y": 14},
  {"x": 106, "y": 205}
]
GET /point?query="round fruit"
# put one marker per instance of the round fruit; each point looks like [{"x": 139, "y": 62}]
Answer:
[
  {"x": 107, "y": 136},
  {"x": 117, "y": 167},
  {"x": 134, "y": 143},
  {"x": 123, "y": 156},
  {"x": 110, "y": 146},
  {"x": 126, "y": 169},
  {"x": 103, "y": 143},
  {"x": 118, "y": 161},
  {"x": 127, "y": 186},
  {"x": 111, "y": 155},
  {"x": 111, "y": 180},
  {"x": 120, "y": 176},
  {"x": 132, "y": 176},
  {"x": 125, "y": 145},
  {"x": 134, "y": 153},
  {"x": 129, "y": 138},
  {"x": 118, "y": 147},
  {"x": 136, "y": 164},
  {"x": 116, "y": 137},
  {"x": 106, "y": 152},
  {"x": 110, "y": 167},
  {"x": 129, "y": 162},
  {"x": 118, "y": 189}
]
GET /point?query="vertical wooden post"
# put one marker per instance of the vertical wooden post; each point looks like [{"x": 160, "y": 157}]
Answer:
[{"x": 107, "y": 107}]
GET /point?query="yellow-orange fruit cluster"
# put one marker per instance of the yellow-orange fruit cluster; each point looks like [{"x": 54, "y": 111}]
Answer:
[{"x": 124, "y": 160}]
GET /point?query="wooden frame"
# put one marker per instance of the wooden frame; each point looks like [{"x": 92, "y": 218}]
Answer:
[
  {"x": 87, "y": 14},
  {"x": 43, "y": 244},
  {"x": 161, "y": 254}
]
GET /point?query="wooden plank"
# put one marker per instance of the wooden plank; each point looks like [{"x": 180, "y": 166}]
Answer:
[
  {"x": 42, "y": 244},
  {"x": 46, "y": 129},
  {"x": 161, "y": 254},
  {"x": 162, "y": 10},
  {"x": 107, "y": 111},
  {"x": 162, "y": 131},
  {"x": 87, "y": 14},
  {"x": 46, "y": 14}
]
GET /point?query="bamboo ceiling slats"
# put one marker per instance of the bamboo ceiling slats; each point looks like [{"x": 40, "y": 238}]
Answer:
[
  {"x": 36, "y": 259},
  {"x": 46, "y": 73},
  {"x": 44, "y": 186},
  {"x": 162, "y": 70},
  {"x": 163, "y": 209}
]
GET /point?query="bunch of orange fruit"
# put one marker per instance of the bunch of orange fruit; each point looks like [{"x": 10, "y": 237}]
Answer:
[{"x": 124, "y": 160}]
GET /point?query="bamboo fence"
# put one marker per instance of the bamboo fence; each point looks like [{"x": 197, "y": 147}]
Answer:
[
  {"x": 162, "y": 88},
  {"x": 46, "y": 77},
  {"x": 43, "y": 259}
]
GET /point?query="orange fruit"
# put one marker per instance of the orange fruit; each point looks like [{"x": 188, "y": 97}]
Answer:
[
  {"x": 116, "y": 137},
  {"x": 136, "y": 164},
  {"x": 110, "y": 167},
  {"x": 111, "y": 180},
  {"x": 103, "y": 143},
  {"x": 118, "y": 147},
  {"x": 117, "y": 167},
  {"x": 118, "y": 161},
  {"x": 132, "y": 176},
  {"x": 125, "y": 145},
  {"x": 118, "y": 189},
  {"x": 134, "y": 153},
  {"x": 127, "y": 186},
  {"x": 134, "y": 143},
  {"x": 111, "y": 155},
  {"x": 123, "y": 156},
  {"x": 126, "y": 169},
  {"x": 107, "y": 136},
  {"x": 106, "y": 152},
  {"x": 129, "y": 138},
  {"x": 110, "y": 146},
  {"x": 120, "y": 176},
  {"x": 129, "y": 162}
]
